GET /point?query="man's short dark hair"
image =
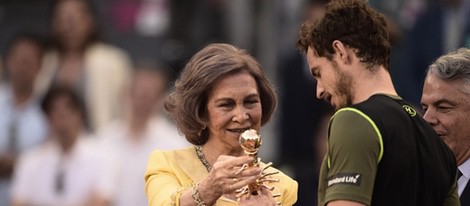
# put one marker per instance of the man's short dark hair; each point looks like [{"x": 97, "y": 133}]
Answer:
[{"x": 355, "y": 24}]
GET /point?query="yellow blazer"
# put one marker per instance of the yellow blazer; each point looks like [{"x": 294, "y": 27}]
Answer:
[{"x": 169, "y": 172}]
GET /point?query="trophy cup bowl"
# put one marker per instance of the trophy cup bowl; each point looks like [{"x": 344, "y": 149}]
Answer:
[{"x": 250, "y": 141}]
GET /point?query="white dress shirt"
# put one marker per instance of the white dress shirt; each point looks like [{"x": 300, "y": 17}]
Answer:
[
  {"x": 463, "y": 180},
  {"x": 37, "y": 174},
  {"x": 30, "y": 121},
  {"x": 128, "y": 156},
  {"x": 31, "y": 129}
]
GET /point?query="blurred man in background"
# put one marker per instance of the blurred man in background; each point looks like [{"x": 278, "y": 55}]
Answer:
[
  {"x": 67, "y": 169},
  {"x": 22, "y": 124},
  {"x": 301, "y": 116},
  {"x": 129, "y": 141}
]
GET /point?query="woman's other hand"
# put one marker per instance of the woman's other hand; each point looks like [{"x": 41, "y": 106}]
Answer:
[{"x": 226, "y": 177}]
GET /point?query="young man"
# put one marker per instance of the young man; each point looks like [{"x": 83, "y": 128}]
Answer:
[
  {"x": 68, "y": 168},
  {"x": 380, "y": 151},
  {"x": 446, "y": 102},
  {"x": 128, "y": 141}
]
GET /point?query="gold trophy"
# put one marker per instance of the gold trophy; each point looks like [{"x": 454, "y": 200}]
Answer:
[{"x": 250, "y": 141}]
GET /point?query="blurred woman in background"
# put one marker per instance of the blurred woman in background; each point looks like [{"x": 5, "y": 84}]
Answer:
[{"x": 97, "y": 71}]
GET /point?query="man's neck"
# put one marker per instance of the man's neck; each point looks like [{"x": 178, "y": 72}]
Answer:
[
  {"x": 138, "y": 124},
  {"x": 21, "y": 96},
  {"x": 369, "y": 83}
]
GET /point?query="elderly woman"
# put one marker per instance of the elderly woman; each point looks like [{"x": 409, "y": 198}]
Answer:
[{"x": 221, "y": 93}]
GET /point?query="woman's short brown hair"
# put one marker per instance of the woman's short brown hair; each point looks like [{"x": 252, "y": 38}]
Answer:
[{"x": 187, "y": 103}]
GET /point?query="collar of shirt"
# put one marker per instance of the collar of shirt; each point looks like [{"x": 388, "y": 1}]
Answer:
[
  {"x": 463, "y": 180},
  {"x": 465, "y": 168}
]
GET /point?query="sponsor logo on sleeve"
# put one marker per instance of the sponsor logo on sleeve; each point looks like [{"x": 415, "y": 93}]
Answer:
[
  {"x": 409, "y": 109},
  {"x": 345, "y": 178}
]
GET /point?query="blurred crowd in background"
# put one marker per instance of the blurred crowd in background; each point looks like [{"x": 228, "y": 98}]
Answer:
[{"x": 82, "y": 82}]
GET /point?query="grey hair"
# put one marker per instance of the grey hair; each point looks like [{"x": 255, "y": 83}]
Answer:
[{"x": 453, "y": 66}]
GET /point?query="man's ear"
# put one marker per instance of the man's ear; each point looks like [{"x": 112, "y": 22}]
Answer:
[{"x": 342, "y": 53}]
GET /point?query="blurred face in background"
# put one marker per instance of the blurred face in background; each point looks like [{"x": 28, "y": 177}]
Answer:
[
  {"x": 23, "y": 62},
  {"x": 72, "y": 23},
  {"x": 65, "y": 119},
  {"x": 147, "y": 91},
  {"x": 315, "y": 11},
  {"x": 451, "y": 3}
]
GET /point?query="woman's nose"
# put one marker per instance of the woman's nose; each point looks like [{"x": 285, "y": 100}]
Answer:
[{"x": 240, "y": 115}]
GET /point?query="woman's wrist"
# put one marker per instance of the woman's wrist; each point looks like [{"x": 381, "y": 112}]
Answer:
[
  {"x": 197, "y": 196},
  {"x": 205, "y": 193}
]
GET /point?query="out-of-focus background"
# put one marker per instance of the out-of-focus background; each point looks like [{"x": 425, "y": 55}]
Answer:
[{"x": 120, "y": 56}]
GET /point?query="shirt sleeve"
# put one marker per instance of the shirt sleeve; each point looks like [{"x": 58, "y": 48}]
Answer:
[
  {"x": 354, "y": 151},
  {"x": 22, "y": 179},
  {"x": 161, "y": 184}
]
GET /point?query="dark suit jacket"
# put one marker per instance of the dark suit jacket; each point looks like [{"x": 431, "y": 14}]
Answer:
[{"x": 465, "y": 197}]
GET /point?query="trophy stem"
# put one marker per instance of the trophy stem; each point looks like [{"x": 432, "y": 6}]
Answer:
[{"x": 250, "y": 141}]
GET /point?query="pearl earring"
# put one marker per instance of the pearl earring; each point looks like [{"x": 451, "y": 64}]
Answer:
[{"x": 200, "y": 131}]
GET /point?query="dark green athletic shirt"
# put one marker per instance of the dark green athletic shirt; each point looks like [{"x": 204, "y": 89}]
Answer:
[{"x": 381, "y": 152}]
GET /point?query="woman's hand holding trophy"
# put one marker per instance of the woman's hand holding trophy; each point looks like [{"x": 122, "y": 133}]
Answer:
[{"x": 250, "y": 141}]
